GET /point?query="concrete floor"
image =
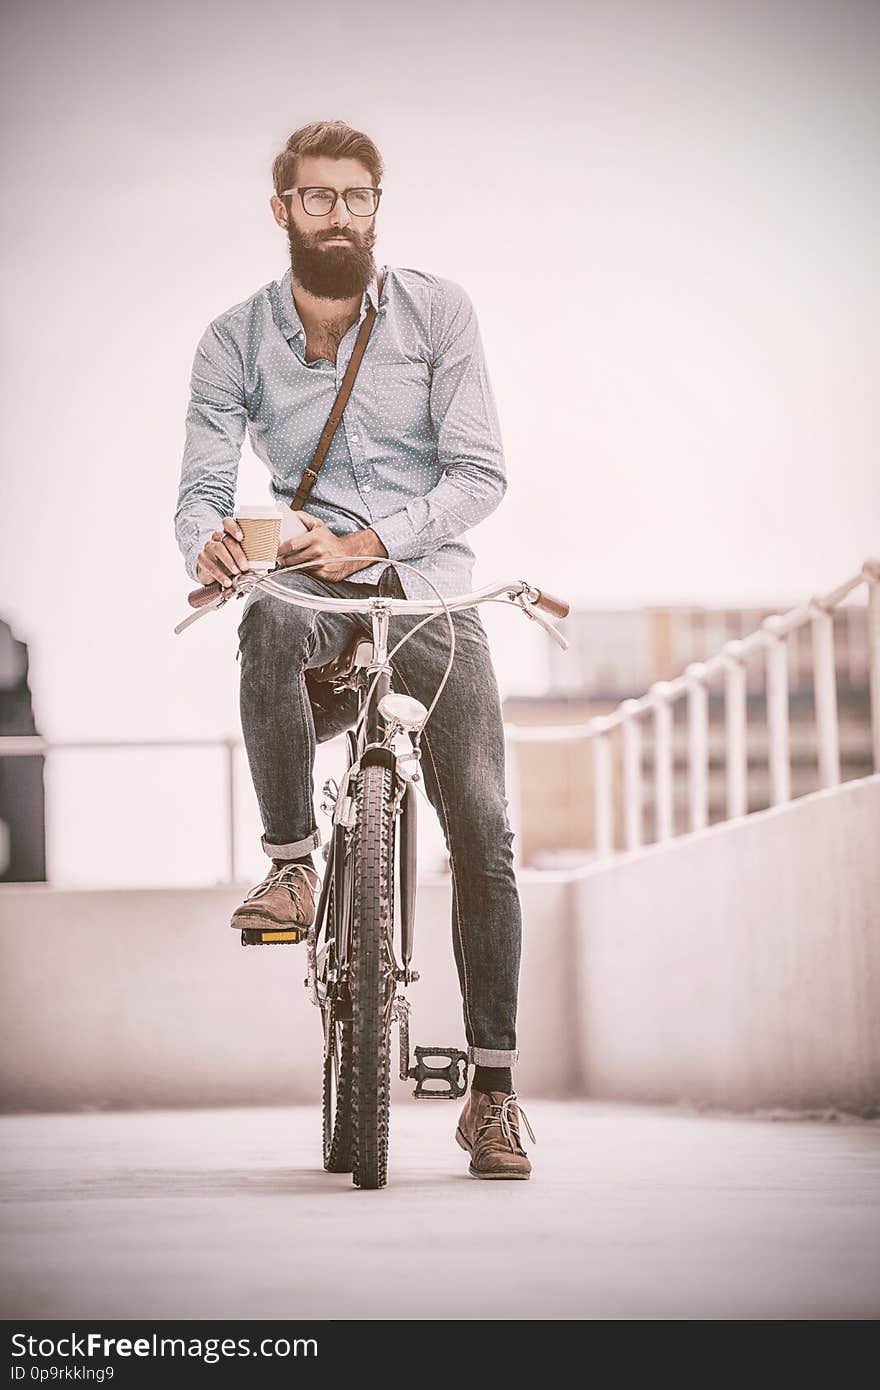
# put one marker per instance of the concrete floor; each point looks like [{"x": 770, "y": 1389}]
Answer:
[{"x": 630, "y": 1213}]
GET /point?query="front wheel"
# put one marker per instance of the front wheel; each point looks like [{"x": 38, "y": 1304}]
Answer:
[{"x": 371, "y": 974}]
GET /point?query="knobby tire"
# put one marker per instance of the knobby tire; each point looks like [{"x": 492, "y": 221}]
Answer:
[{"x": 371, "y": 978}]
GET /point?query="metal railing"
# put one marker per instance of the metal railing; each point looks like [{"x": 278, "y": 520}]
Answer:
[
  {"x": 693, "y": 685},
  {"x": 657, "y": 704}
]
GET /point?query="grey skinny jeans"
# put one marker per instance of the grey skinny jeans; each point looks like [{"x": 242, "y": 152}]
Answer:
[{"x": 463, "y": 764}]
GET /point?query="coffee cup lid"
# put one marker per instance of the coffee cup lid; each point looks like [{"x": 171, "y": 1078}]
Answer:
[{"x": 256, "y": 513}]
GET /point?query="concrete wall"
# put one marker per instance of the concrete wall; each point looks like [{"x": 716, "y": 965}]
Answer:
[
  {"x": 739, "y": 967},
  {"x": 147, "y": 998}
]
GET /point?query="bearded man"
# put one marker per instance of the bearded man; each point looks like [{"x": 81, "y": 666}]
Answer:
[{"x": 416, "y": 462}]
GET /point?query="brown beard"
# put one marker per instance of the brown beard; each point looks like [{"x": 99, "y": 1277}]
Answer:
[{"x": 332, "y": 272}]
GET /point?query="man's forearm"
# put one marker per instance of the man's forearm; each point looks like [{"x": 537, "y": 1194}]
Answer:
[{"x": 364, "y": 542}]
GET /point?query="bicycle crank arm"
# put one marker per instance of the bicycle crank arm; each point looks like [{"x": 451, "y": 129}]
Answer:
[
  {"x": 400, "y": 1011},
  {"x": 453, "y": 1074}
]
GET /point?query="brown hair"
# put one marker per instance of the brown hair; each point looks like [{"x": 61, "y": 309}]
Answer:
[{"x": 333, "y": 138}]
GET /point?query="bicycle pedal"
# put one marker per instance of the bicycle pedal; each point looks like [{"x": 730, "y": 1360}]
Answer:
[
  {"x": 256, "y": 936},
  {"x": 453, "y": 1074}
]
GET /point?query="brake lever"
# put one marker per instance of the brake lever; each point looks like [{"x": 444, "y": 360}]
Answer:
[
  {"x": 532, "y": 612},
  {"x": 200, "y": 613},
  {"x": 241, "y": 585}
]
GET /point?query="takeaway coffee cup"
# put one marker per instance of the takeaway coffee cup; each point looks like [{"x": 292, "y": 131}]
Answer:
[{"x": 260, "y": 528}]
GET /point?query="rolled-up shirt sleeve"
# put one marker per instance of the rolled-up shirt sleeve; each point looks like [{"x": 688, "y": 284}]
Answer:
[
  {"x": 216, "y": 420},
  {"x": 469, "y": 448}
]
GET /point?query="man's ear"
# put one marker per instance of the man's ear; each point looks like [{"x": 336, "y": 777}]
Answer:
[{"x": 279, "y": 212}]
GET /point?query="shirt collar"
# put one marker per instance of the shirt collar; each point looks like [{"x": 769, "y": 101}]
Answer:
[
  {"x": 290, "y": 321},
  {"x": 372, "y": 290}
]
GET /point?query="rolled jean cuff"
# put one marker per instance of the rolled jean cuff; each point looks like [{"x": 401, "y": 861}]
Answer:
[
  {"x": 492, "y": 1057},
  {"x": 295, "y": 850}
]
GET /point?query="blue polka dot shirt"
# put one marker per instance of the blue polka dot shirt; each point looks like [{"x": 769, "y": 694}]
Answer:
[{"x": 417, "y": 457}]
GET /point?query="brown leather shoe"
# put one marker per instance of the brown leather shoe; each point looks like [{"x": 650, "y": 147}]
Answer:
[
  {"x": 286, "y": 898},
  {"x": 488, "y": 1129}
]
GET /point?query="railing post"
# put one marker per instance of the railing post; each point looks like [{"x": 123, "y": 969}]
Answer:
[
  {"x": 777, "y": 710},
  {"x": 231, "y": 809},
  {"x": 825, "y": 688},
  {"x": 735, "y": 729},
  {"x": 663, "y": 823},
  {"x": 871, "y": 572},
  {"x": 698, "y": 746},
  {"x": 631, "y": 735},
  {"x": 603, "y": 811}
]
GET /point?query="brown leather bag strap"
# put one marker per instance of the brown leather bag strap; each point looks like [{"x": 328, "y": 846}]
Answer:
[{"x": 310, "y": 474}]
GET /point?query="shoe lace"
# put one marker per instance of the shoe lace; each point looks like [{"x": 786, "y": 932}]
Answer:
[
  {"x": 501, "y": 1115},
  {"x": 289, "y": 876}
]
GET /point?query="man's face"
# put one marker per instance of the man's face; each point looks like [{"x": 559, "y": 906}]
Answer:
[{"x": 331, "y": 255}]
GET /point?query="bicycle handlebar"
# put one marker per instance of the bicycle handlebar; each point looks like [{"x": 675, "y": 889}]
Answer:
[
  {"x": 527, "y": 596},
  {"x": 541, "y": 598}
]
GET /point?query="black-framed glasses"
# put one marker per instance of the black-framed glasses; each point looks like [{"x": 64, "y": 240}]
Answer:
[{"x": 320, "y": 202}]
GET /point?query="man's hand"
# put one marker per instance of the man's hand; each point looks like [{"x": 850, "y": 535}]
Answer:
[
  {"x": 221, "y": 555},
  {"x": 319, "y": 543}
]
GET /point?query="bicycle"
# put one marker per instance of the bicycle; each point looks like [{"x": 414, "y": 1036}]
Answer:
[{"x": 354, "y": 971}]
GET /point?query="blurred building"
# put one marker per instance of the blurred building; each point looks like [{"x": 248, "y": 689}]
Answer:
[
  {"x": 22, "y": 798},
  {"x": 614, "y": 656}
]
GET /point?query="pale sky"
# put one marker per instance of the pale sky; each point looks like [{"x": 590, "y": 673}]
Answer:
[{"x": 666, "y": 216}]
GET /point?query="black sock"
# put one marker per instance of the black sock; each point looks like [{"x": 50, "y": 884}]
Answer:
[{"x": 492, "y": 1079}]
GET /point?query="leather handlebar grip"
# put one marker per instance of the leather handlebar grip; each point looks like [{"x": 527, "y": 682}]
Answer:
[
  {"x": 557, "y": 606},
  {"x": 206, "y": 594}
]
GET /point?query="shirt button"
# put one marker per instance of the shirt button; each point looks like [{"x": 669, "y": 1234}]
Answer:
[{"x": 355, "y": 438}]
